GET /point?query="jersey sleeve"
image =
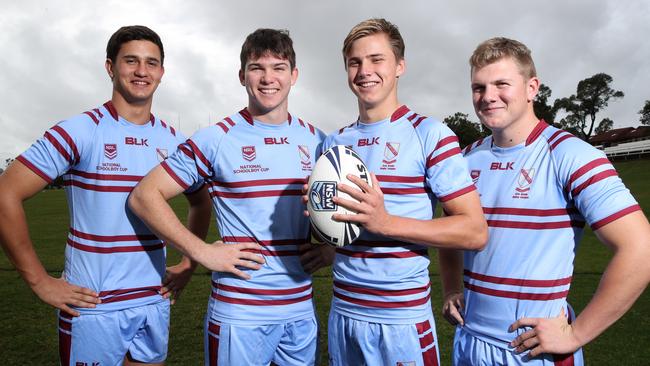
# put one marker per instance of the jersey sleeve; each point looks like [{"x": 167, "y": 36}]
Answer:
[
  {"x": 591, "y": 182},
  {"x": 59, "y": 149},
  {"x": 191, "y": 164},
  {"x": 446, "y": 170}
]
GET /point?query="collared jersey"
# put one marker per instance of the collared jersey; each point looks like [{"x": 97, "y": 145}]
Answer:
[
  {"x": 255, "y": 173},
  {"x": 101, "y": 157},
  {"x": 537, "y": 197},
  {"x": 417, "y": 161}
]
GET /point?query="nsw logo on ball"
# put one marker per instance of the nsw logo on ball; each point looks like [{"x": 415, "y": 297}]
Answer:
[{"x": 321, "y": 195}]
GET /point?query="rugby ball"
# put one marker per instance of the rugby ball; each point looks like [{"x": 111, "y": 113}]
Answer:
[{"x": 331, "y": 169}]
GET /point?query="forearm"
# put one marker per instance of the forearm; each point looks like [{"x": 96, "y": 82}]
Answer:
[
  {"x": 198, "y": 218},
  {"x": 450, "y": 263},
  {"x": 455, "y": 232}
]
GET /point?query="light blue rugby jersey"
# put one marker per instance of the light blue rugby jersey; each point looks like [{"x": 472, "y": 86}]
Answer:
[
  {"x": 255, "y": 173},
  {"x": 418, "y": 163},
  {"x": 536, "y": 197},
  {"x": 102, "y": 157}
]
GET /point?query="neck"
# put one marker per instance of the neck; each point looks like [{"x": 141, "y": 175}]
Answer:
[
  {"x": 516, "y": 133},
  {"x": 136, "y": 113},
  {"x": 274, "y": 116},
  {"x": 371, "y": 114}
]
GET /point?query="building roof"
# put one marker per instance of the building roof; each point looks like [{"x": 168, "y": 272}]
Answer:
[{"x": 620, "y": 134}]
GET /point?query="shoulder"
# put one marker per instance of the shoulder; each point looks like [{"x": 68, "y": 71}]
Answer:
[{"x": 306, "y": 127}]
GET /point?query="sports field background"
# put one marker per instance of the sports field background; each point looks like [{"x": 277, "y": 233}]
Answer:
[{"x": 28, "y": 333}]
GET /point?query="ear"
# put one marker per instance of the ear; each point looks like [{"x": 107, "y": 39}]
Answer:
[
  {"x": 109, "y": 68},
  {"x": 532, "y": 87},
  {"x": 401, "y": 67},
  {"x": 294, "y": 76},
  {"x": 241, "y": 77}
]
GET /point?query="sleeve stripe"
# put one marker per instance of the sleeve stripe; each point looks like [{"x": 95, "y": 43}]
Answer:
[
  {"x": 230, "y": 122},
  {"x": 199, "y": 154},
  {"x": 34, "y": 169},
  {"x": 593, "y": 179},
  {"x": 91, "y": 115},
  {"x": 185, "y": 150},
  {"x": 600, "y": 223},
  {"x": 417, "y": 123},
  {"x": 558, "y": 141},
  {"x": 223, "y": 127},
  {"x": 451, "y": 152},
  {"x": 57, "y": 145},
  {"x": 446, "y": 141},
  {"x": 584, "y": 169},
  {"x": 70, "y": 142},
  {"x": 173, "y": 175},
  {"x": 458, "y": 193}
]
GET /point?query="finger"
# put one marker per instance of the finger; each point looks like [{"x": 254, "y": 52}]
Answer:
[
  {"x": 523, "y": 337},
  {"x": 305, "y": 188},
  {"x": 528, "y": 344},
  {"x": 69, "y": 310},
  {"x": 165, "y": 292},
  {"x": 248, "y": 264},
  {"x": 81, "y": 304},
  {"x": 83, "y": 290},
  {"x": 352, "y": 192},
  {"x": 87, "y": 299},
  {"x": 312, "y": 265},
  {"x": 359, "y": 182},
  {"x": 452, "y": 313},
  {"x": 240, "y": 274},
  {"x": 535, "y": 352},
  {"x": 355, "y": 206},
  {"x": 252, "y": 257},
  {"x": 523, "y": 322},
  {"x": 375, "y": 182},
  {"x": 356, "y": 218}
]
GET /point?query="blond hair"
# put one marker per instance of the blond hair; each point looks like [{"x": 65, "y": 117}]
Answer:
[
  {"x": 495, "y": 49},
  {"x": 375, "y": 26}
]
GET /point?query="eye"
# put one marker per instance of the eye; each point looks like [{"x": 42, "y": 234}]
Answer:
[{"x": 377, "y": 60}]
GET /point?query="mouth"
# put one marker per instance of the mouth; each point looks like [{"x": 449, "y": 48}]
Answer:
[
  {"x": 140, "y": 83},
  {"x": 366, "y": 84},
  {"x": 268, "y": 91}
]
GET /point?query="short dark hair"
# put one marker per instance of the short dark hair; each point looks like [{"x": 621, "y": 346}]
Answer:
[
  {"x": 132, "y": 33},
  {"x": 268, "y": 41}
]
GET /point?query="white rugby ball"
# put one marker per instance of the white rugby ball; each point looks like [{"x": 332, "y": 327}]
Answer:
[{"x": 332, "y": 168}]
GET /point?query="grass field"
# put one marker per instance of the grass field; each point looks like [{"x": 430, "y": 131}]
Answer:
[{"x": 29, "y": 337}]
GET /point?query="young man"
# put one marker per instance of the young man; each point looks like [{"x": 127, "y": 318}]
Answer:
[
  {"x": 254, "y": 163},
  {"x": 381, "y": 309},
  {"x": 539, "y": 186},
  {"x": 110, "y": 299}
]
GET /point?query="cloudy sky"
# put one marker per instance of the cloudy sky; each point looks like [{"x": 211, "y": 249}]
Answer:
[{"x": 53, "y": 52}]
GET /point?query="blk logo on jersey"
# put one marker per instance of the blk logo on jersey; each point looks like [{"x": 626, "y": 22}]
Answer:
[
  {"x": 321, "y": 195},
  {"x": 161, "y": 154},
  {"x": 305, "y": 157},
  {"x": 475, "y": 174},
  {"x": 276, "y": 140},
  {"x": 135, "y": 141},
  {"x": 391, "y": 150},
  {"x": 368, "y": 142},
  {"x": 502, "y": 166},
  {"x": 248, "y": 153},
  {"x": 110, "y": 151},
  {"x": 524, "y": 181}
]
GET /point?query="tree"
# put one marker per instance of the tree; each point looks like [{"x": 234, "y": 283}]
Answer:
[
  {"x": 592, "y": 96},
  {"x": 466, "y": 130},
  {"x": 605, "y": 125},
  {"x": 540, "y": 104},
  {"x": 645, "y": 113}
]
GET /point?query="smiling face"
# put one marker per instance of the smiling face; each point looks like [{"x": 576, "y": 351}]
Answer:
[
  {"x": 373, "y": 70},
  {"x": 503, "y": 97},
  {"x": 136, "y": 72},
  {"x": 268, "y": 80}
]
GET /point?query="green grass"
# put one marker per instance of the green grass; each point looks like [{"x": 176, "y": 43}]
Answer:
[{"x": 29, "y": 335}]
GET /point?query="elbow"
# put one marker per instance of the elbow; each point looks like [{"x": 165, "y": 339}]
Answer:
[
  {"x": 136, "y": 201},
  {"x": 479, "y": 236}
]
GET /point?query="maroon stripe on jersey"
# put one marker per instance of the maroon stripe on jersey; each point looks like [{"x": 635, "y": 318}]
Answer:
[
  {"x": 259, "y": 182},
  {"x": 377, "y": 292},
  {"x": 232, "y": 300},
  {"x": 406, "y": 254},
  {"x": 214, "y": 328},
  {"x": 584, "y": 169},
  {"x": 274, "y": 253},
  {"x": 172, "y": 130},
  {"x": 412, "y": 117},
  {"x": 399, "y": 113},
  {"x": 57, "y": 145},
  {"x": 213, "y": 350},
  {"x": 199, "y": 154},
  {"x": 446, "y": 141},
  {"x": 529, "y": 211},
  {"x": 109, "y": 250},
  {"x": 92, "y": 116},
  {"x": 118, "y": 177},
  {"x": 539, "y": 128},
  {"x": 430, "y": 357},
  {"x": 417, "y": 123},
  {"x": 175, "y": 177},
  {"x": 426, "y": 340},
  {"x": 152, "y": 119},
  {"x": 111, "y": 109},
  {"x": 423, "y": 327},
  {"x": 383, "y": 304},
  {"x": 274, "y": 242},
  {"x": 470, "y": 147},
  {"x": 594, "y": 179},
  {"x": 259, "y": 291},
  {"x": 400, "y": 179},
  {"x": 536, "y": 225},
  {"x": 563, "y": 360},
  {"x": 517, "y": 295},
  {"x": 128, "y": 290},
  {"x": 186, "y": 150},
  {"x": 99, "y": 113},
  {"x": 598, "y": 224},
  {"x": 518, "y": 281},
  {"x": 94, "y": 187},
  {"x": 451, "y": 152},
  {"x": 223, "y": 127},
  {"x": 112, "y": 238},
  {"x": 136, "y": 295},
  {"x": 415, "y": 190},
  {"x": 383, "y": 244},
  {"x": 555, "y": 134},
  {"x": 458, "y": 193},
  {"x": 229, "y": 121},
  {"x": 163, "y": 123},
  {"x": 246, "y": 115},
  {"x": 302, "y": 123},
  {"x": 65, "y": 345},
  {"x": 65, "y": 325},
  {"x": 558, "y": 141},
  {"x": 257, "y": 194},
  {"x": 66, "y": 137},
  {"x": 34, "y": 169},
  {"x": 311, "y": 128}
]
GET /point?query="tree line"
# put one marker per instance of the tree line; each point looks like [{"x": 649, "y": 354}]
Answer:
[{"x": 592, "y": 96}]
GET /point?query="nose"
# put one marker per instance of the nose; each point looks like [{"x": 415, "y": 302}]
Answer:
[
  {"x": 490, "y": 94},
  {"x": 141, "y": 70},
  {"x": 365, "y": 69}
]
